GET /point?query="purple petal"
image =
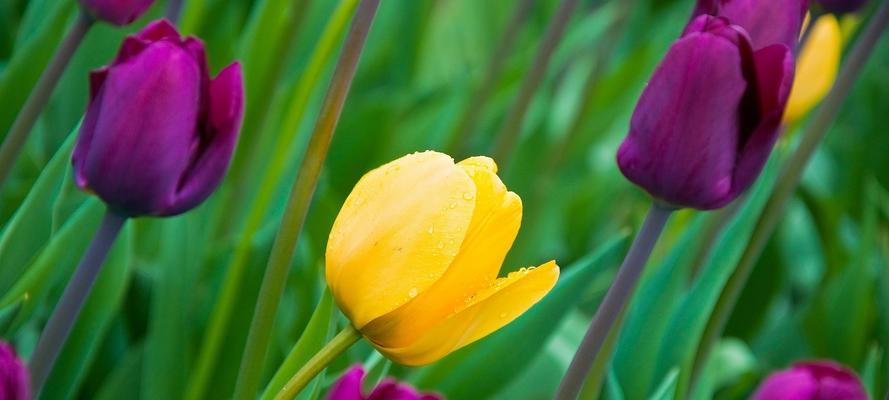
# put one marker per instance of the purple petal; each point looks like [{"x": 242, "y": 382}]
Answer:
[
  {"x": 159, "y": 30},
  {"x": 684, "y": 132},
  {"x": 834, "y": 381},
  {"x": 14, "y": 381},
  {"x": 226, "y": 110},
  {"x": 774, "y": 74},
  {"x": 790, "y": 384},
  {"x": 143, "y": 139},
  {"x": 348, "y": 387},
  {"x": 116, "y": 12},
  {"x": 767, "y": 21},
  {"x": 390, "y": 389}
]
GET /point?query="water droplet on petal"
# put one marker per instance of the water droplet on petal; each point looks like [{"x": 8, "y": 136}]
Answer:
[
  {"x": 503, "y": 315},
  {"x": 440, "y": 245},
  {"x": 431, "y": 229},
  {"x": 467, "y": 196},
  {"x": 453, "y": 205},
  {"x": 412, "y": 293}
]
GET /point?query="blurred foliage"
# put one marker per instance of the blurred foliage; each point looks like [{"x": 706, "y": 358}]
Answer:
[{"x": 821, "y": 289}]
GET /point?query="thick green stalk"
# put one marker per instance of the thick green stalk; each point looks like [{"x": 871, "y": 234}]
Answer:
[
  {"x": 343, "y": 340},
  {"x": 231, "y": 287},
  {"x": 789, "y": 179},
  {"x": 298, "y": 204},
  {"x": 615, "y": 299},
  {"x": 509, "y": 132}
]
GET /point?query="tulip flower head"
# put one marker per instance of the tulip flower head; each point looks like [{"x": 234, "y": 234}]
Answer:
[
  {"x": 14, "y": 381},
  {"x": 710, "y": 115},
  {"x": 116, "y": 12},
  {"x": 842, "y": 6},
  {"x": 414, "y": 255},
  {"x": 819, "y": 61},
  {"x": 158, "y": 133},
  {"x": 348, "y": 387},
  {"x": 816, "y": 380}
]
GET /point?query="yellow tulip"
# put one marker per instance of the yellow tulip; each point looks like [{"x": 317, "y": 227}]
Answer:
[
  {"x": 816, "y": 67},
  {"x": 414, "y": 255}
]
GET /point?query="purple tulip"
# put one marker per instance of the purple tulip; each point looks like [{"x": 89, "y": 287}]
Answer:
[
  {"x": 14, "y": 383},
  {"x": 158, "y": 134},
  {"x": 116, "y": 12},
  {"x": 815, "y": 380},
  {"x": 766, "y": 21},
  {"x": 709, "y": 117},
  {"x": 348, "y": 387},
  {"x": 842, "y": 6}
]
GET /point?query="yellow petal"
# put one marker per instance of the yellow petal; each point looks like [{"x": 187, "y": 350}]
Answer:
[
  {"x": 495, "y": 223},
  {"x": 816, "y": 67},
  {"x": 488, "y": 311},
  {"x": 397, "y": 233}
]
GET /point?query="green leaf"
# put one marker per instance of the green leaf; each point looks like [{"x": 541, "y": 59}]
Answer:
[
  {"x": 870, "y": 373},
  {"x": 683, "y": 333},
  {"x": 28, "y": 62},
  {"x": 613, "y": 390},
  {"x": 165, "y": 344},
  {"x": 56, "y": 261},
  {"x": 492, "y": 362},
  {"x": 318, "y": 332},
  {"x": 31, "y": 226},
  {"x": 102, "y": 305},
  {"x": 667, "y": 389},
  {"x": 124, "y": 380},
  {"x": 9, "y": 313},
  {"x": 377, "y": 366}
]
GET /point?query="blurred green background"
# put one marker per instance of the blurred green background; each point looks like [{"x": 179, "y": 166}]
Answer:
[{"x": 425, "y": 81}]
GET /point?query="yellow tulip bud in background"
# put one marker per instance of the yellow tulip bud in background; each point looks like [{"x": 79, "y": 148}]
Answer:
[
  {"x": 816, "y": 67},
  {"x": 414, "y": 256}
]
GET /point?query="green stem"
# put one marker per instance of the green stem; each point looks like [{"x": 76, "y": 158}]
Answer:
[
  {"x": 789, "y": 179},
  {"x": 617, "y": 296},
  {"x": 24, "y": 122},
  {"x": 342, "y": 341},
  {"x": 231, "y": 287},
  {"x": 297, "y": 206},
  {"x": 512, "y": 126}
]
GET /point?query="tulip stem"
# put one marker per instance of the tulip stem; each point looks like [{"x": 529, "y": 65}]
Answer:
[
  {"x": 342, "y": 341},
  {"x": 789, "y": 179},
  {"x": 65, "y": 314},
  {"x": 511, "y": 129},
  {"x": 174, "y": 10},
  {"x": 21, "y": 127},
  {"x": 278, "y": 266},
  {"x": 618, "y": 294}
]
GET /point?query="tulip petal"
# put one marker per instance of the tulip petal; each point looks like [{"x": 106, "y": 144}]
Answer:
[
  {"x": 767, "y": 21},
  {"x": 792, "y": 385},
  {"x": 489, "y": 310},
  {"x": 348, "y": 386},
  {"x": 138, "y": 96},
  {"x": 774, "y": 73},
  {"x": 816, "y": 67},
  {"x": 157, "y": 30},
  {"x": 495, "y": 224},
  {"x": 226, "y": 112},
  {"x": 672, "y": 110},
  {"x": 397, "y": 233},
  {"x": 390, "y": 389}
]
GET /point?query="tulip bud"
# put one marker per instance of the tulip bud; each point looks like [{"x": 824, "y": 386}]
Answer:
[
  {"x": 116, "y": 12},
  {"x": 767, "y": 22},
  {"x": 842, "y": 6},
  {"x": 816, "y": 380},
  {"x": 158, "y": 133},
  {"x": 348, "y": 387},
  {"x": 707, "y": 121},
  {"x": 816, "y": 69},
  {"x": 414, "y": 255},
  {"x": 14, "y": 381}
]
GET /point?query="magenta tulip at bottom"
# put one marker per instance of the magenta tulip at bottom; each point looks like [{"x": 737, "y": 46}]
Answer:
[
  {"x": 814, "y": 380},
  {"x": 349, "y": 387},
  {"x": 159, "y": 133},
  {"x": 13, "y": 375},
  {"x": 116, "y": 12},
  {"x": 709, "y": 117}
]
